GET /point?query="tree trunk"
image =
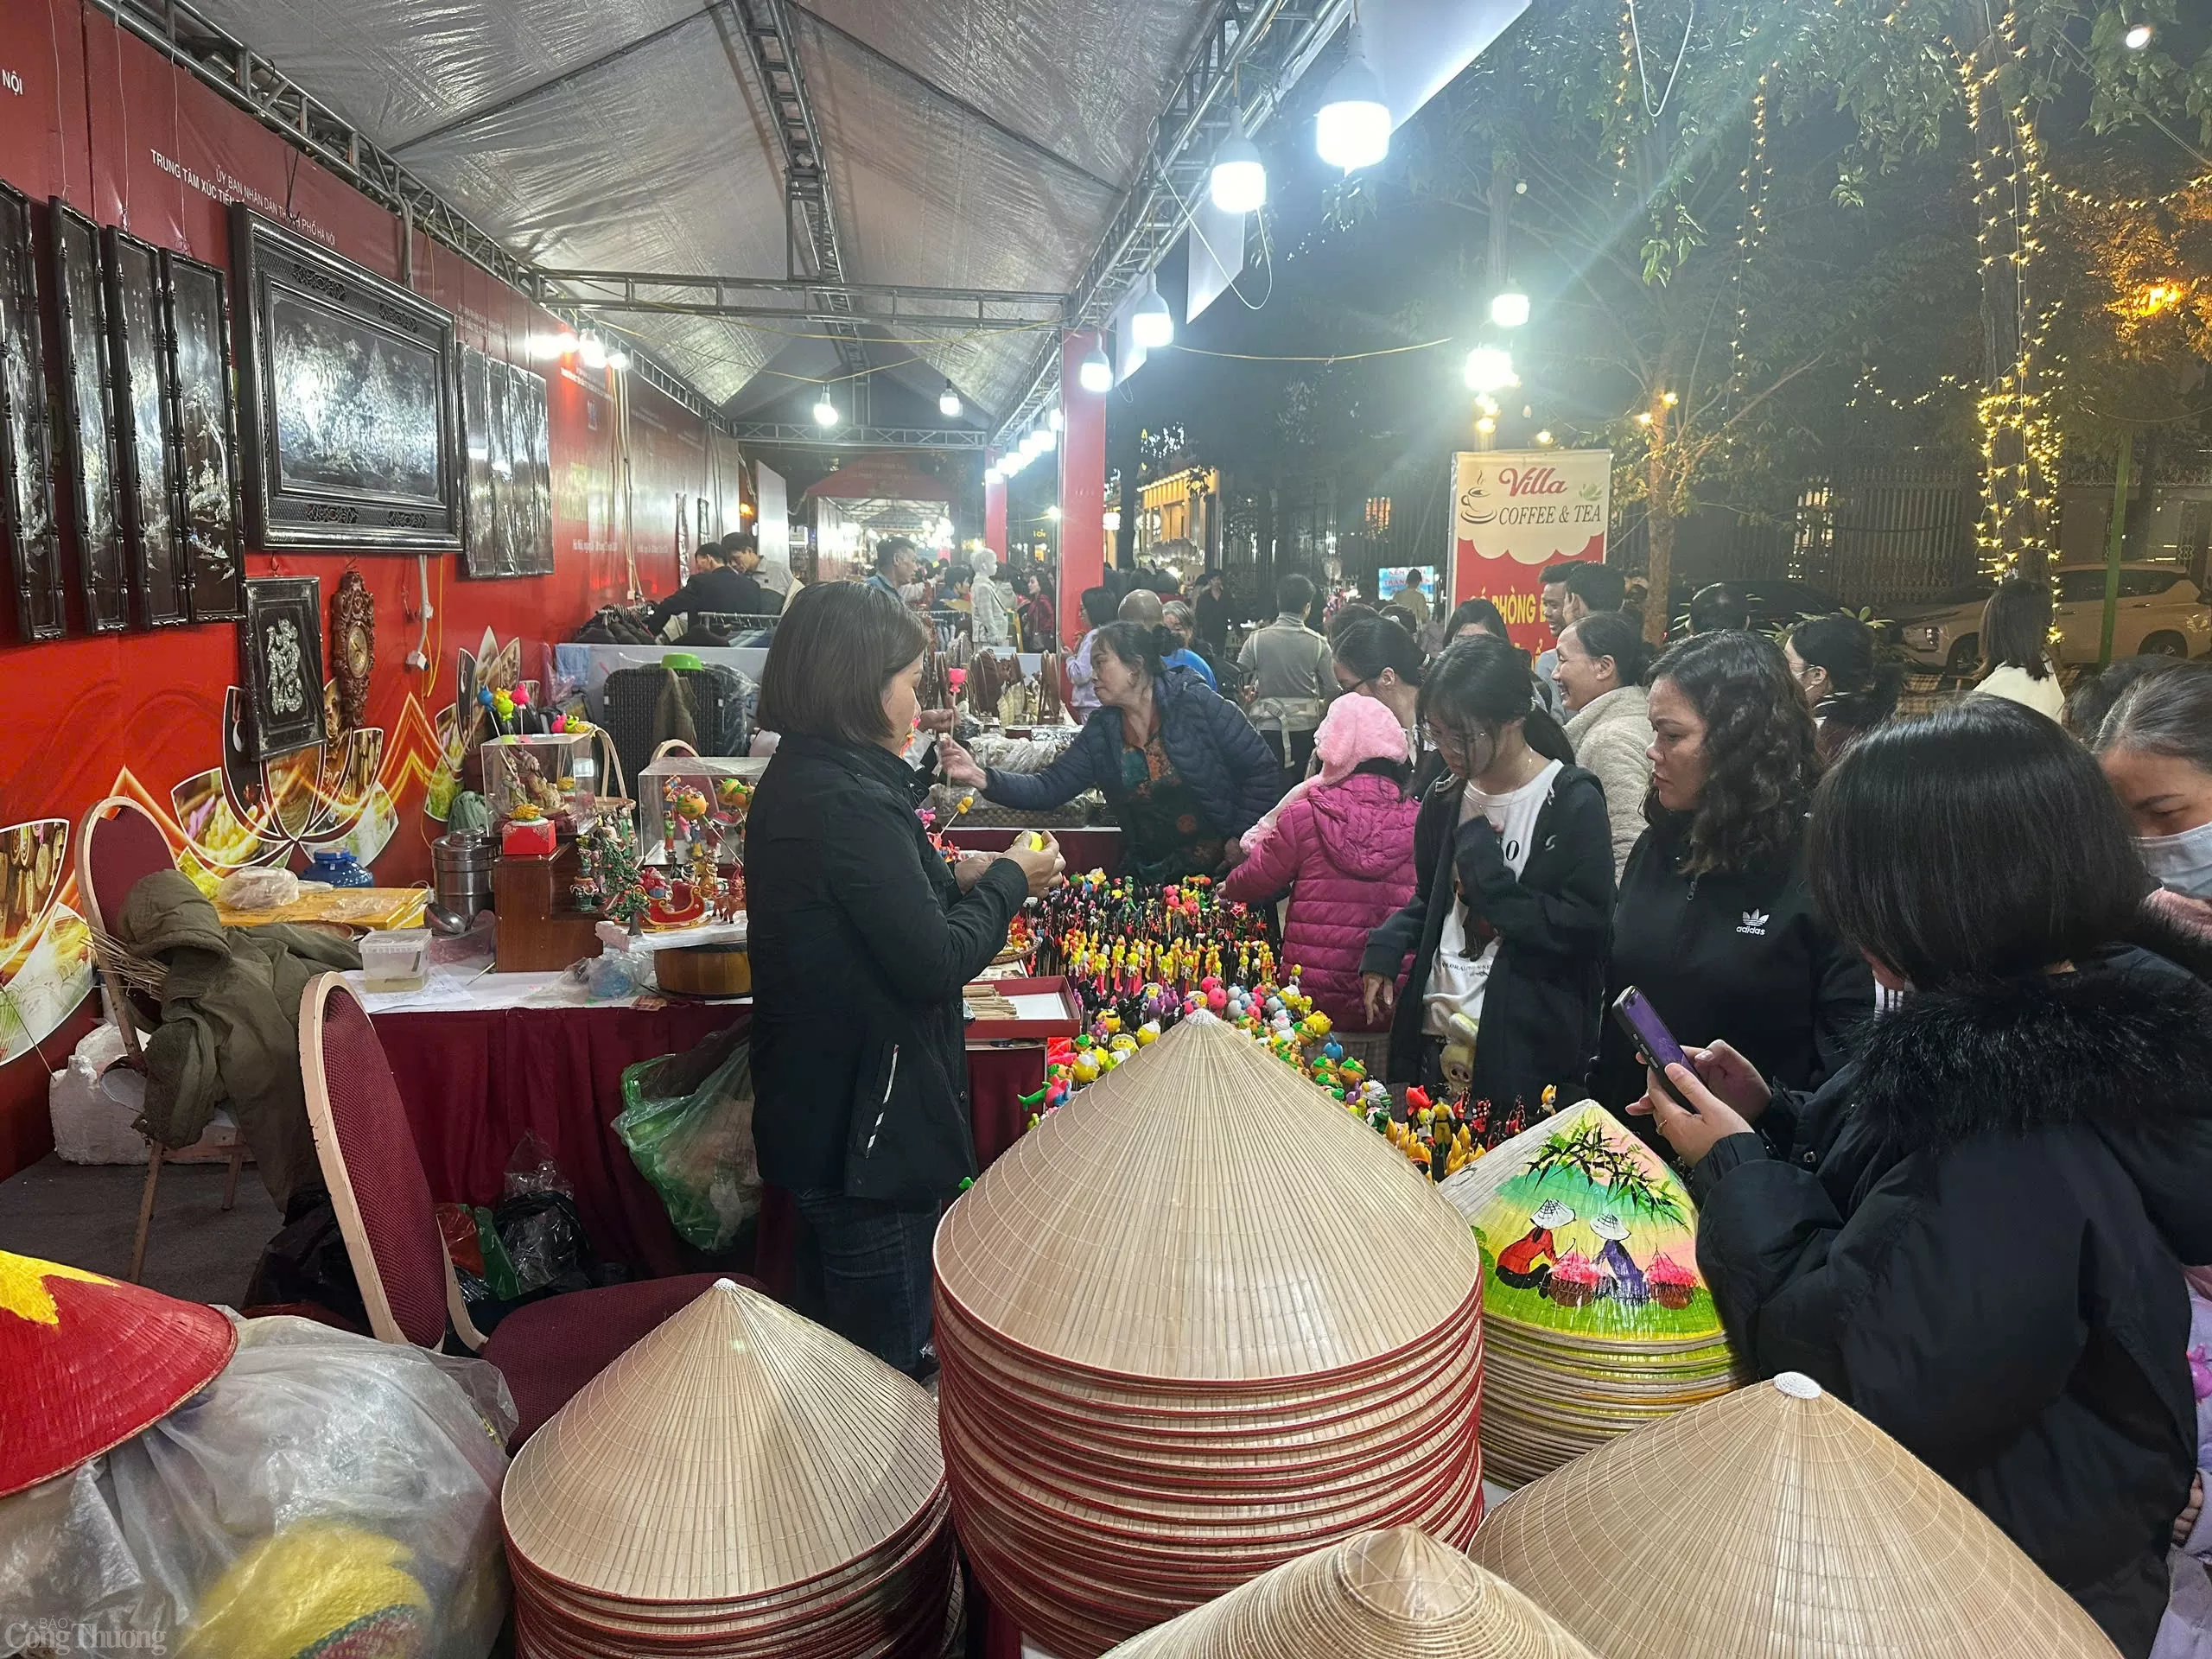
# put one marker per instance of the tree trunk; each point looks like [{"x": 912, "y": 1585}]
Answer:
[
  {"x": 1659, "y": 528},
  {"x": 2015, "y": 527}
]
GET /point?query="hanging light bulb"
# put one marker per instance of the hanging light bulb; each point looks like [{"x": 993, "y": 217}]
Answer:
[
  {"x": 1490, "y": 368},
  {"x": 1097, "y": 374},
  {"x": 618, "y": 360},
  {"x": 1048, "y": 439},
  {"x": 592, "y": 349},
  {"x": 948, "y": 403},
  {"x": 1151, "y": 324},
  {"x": 1053, "y": 512},
  {"x": 1509, "y": 310},
  {"x": 1238, "y": 182},
  {"x": 2137, "y": 38},
  {"x": 1053, "y": 417},
  {"x": 825, "y": 412},
  {"x": 991, "y": 475},
  {"x": 1353, "y": 129}
]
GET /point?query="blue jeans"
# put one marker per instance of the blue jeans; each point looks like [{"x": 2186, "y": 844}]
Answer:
[{"x": 864, "y": 1271}]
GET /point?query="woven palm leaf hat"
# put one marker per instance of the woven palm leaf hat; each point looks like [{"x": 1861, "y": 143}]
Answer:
[
  {"x": 1596, "y": 1316},
  {"x": 740, "y": 1481},
  {"x": 1197, "y": 1323},
  {"x": 1383, "y": 1595},
  {"x": 88, "y": 1363},
  {"x": 1776, "y": 1521}
]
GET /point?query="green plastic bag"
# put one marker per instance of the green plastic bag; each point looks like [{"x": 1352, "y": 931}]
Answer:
[{"x": 687, "y": 1119}]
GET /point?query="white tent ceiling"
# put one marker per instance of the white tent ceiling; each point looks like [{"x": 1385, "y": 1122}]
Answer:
[{"x": 968, "y": 143}]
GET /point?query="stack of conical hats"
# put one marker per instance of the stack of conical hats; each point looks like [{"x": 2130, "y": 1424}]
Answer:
[
  {"x": 1596, "y": 1318},
  {"x": 740, "y": 1483},
  {"x": 1383, "y": 1595},
  {"x": 1196, "y": 1324},
  {"x": 1780, "y": 1522}
]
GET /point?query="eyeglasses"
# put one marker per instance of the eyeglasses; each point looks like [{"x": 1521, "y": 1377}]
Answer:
[{"x": 1464, "y": 751}]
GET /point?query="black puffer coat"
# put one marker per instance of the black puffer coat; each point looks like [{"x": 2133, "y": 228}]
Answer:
[
  {"x": 860, "y": 942},
  {"x": 1974, "y": 1234}
]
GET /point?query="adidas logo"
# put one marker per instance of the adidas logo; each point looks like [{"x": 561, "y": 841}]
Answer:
[{"x": 1754, "y": 923}]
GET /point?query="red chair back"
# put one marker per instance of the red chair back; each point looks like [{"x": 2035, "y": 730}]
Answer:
[
  {"x": 118, "y": 843},
  {"x": 371, "y": 1167}
]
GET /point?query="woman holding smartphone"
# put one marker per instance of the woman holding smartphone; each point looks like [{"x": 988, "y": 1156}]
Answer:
[
  {"x": 1974, "y": 1231},
  {"x": 1513, "y": 864},
  {"x": 1715, "y": 924}
]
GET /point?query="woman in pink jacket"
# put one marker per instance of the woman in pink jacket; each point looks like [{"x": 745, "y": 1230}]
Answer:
[{"x": 1344, "y": 844}]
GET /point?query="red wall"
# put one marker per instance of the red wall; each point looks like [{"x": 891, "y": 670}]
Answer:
[{"x": 103, "y": 121}]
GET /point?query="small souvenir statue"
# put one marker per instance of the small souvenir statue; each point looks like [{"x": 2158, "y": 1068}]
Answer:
[{"x": 613, "y": 882}]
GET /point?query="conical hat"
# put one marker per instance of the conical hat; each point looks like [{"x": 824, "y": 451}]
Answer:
[
  {"x": 1602, "y": 1212},
  {"x": 1775, "y": 1521},
  {"x": 1204, "y": 1212},
  {"x": 737, "y": 1450},
  {"x": 89, "y": 1362},
  {"x": 1383, "y": 1595}
]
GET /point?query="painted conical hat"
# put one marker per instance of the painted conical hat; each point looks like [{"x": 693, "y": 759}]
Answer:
[
  {"x": 1776, "y": 1520},
  {"x": 1398, "y": 1594},
  {"x": 1202, "y": 1213},
  {"x": 87, "y": 1363},
  {"x": 1579, "y": 1198},
  {"x": 737, "y": 1450}
]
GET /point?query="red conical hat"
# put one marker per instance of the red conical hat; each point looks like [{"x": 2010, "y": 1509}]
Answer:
[{"x": 90, "y": 1362}]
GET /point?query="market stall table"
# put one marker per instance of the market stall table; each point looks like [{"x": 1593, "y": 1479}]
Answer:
[{"x": 482, "y": 1059}]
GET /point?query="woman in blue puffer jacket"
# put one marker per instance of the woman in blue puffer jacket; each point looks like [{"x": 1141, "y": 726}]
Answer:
[{"x": 1183, "y": 770}]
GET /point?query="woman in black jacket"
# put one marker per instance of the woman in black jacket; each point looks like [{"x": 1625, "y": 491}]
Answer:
[
  {"x": 1183, "y": 770},
  {"x": 862, "y": 939},
  {"x": 1974, "y": 1232},
  {"x": 1714, "y": 922},
  {"x": 1513, "y": 862}
]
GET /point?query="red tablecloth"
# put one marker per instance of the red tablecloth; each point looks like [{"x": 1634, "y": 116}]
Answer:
[{"x": 475, "y": 1081}]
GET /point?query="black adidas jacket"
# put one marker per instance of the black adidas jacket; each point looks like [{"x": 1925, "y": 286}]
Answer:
[
  {"x": 1736, "y": 955},
  {"x": 1974, "y": 1236}
]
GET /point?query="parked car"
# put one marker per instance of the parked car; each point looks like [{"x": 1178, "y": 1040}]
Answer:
[
  {"x": 1772, "y": 604},
  {"x": 2160, "y": 614}
]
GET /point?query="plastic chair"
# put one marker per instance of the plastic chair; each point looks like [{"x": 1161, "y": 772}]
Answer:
[
  {"x": 547, "y": 1350},
  {"x": 118, "y": 843}
]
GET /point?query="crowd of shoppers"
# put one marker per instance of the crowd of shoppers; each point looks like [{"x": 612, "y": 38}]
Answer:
[{"x": 1941, "y": 981}]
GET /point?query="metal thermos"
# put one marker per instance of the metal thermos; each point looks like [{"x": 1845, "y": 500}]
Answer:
[{"x": 461, "y": 867}]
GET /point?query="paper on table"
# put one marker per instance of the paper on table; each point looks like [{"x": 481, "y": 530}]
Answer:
[{"x": 1038, "y": 1005}]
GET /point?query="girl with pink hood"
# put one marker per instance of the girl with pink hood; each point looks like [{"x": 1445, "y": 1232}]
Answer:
[{"x": 1343, "y": 842}]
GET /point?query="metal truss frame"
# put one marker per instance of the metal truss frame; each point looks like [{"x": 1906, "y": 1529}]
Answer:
[
  {"x": 798, "y": 434},
  {"x": 1255, "y": 48},
  {"x": 885, "y": 304}
]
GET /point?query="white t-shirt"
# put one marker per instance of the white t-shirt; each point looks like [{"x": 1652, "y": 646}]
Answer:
[{"x": 1457, "y": 981}]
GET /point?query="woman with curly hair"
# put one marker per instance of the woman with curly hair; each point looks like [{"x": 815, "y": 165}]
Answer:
[{"x": 1714, "y": 922}]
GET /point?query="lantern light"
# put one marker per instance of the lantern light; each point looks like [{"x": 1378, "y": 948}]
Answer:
[
  {"x": 1238, "y": 182},
  {"x": 1097, "y": 374},
  {"x": 1352, "y": 128}
]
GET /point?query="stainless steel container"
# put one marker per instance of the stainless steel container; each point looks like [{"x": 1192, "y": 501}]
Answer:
[{"x": 462, "y": 868}]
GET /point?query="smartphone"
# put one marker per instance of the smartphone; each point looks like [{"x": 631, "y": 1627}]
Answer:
[{"x": 1647, "y": 1031}]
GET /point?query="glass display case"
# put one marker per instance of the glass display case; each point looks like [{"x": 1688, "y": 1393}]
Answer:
[
  {"x": 552, "y": 776},
  {"x": 692, "y": 804}
]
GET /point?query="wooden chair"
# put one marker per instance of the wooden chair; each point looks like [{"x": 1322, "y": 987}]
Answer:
[
  {"x": 547, "y": 1350},
  {"x": 118, "y": 842}
]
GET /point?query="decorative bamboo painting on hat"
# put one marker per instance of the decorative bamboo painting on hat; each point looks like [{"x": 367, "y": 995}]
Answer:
[{"x": 1584, "y": 1229}]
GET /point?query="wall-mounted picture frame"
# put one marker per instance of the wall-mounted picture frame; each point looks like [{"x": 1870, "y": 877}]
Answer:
[
  {"x": 144, "y": 432},
  {"x": 280, "y": 666},
  {"x": 87, "y": 419},
  {"x": 204, "y": 417},
  {"x": 30, "y": 538},
  {"x": 349, "y": 420},
  {"x": 510, "y": 468}
]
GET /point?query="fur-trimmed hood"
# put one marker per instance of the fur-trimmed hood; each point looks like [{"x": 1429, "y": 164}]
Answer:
[{"x": 2125, "y": 1043}]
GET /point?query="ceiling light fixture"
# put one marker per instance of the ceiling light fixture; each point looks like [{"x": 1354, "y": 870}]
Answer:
[
  {"x": 1151, "y": 324},
  {"x": 1509, "y": 310},
  {"x": 1097, "y": 374},
  {"x": 1352, "y": 128},
  {"x": 1490, "y": 368},
  {"x": 592, "y": 349},
  {"x": 948, "y": 403},
  {"x": 1238, "y": 182},
  {"x": 825, "y": 412},
  {"x": 2138, "y": 37}
]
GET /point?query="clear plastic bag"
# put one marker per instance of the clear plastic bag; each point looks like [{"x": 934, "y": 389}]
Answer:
[
  {"x": 531, "y": 1168},
  {"x": 687, "y": 1119},
  {"x": 323, "y": 1480}
]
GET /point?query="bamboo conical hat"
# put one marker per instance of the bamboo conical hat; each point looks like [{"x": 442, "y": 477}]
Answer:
[
  {"x": 737, "y": 1450},
  {"x": 1777, "y": 1522},
  {"x": 1398, "y": 1594},
  {"x": 1204, "y": 1213},
  {"x": 1587, "y": 1182}
]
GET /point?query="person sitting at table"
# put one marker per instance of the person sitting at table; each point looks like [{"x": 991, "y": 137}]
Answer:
[
  {"x": 1183, "y": 770},
  {"x": 862, "y": 938}
]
